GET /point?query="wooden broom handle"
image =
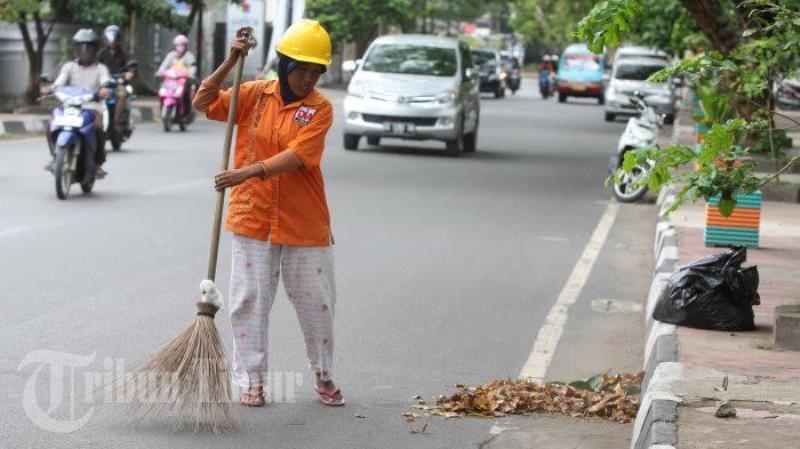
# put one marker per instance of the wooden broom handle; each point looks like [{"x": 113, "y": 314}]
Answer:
[{"x": 226, "y": 154}]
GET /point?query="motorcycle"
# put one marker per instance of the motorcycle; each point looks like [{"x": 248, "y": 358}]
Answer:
[
  {"x": 73, "y": 141},
  {"x": 174, "y": 108},
  {"x": 119, "y": 129},
  {"x": 544, "y": 84},
  {"x": 640, "y": 132},
  {"x": 514, "y": 80}
]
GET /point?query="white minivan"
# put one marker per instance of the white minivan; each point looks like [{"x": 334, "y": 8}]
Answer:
[{"x": 416, "y": 87}]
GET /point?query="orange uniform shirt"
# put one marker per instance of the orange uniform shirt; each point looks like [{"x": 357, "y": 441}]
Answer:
[{"x": 291, "y": 207}]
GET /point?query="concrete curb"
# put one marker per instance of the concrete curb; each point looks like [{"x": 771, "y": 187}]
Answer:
[
  {"x": 656, "y": 425},
  {"x": 28, "y": 124}
]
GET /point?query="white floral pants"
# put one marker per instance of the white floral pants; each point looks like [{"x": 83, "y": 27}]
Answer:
[{"x": 308, "y": 278}]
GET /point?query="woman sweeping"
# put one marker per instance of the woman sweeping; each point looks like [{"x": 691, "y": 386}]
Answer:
[{"x": 278, "y": 214}]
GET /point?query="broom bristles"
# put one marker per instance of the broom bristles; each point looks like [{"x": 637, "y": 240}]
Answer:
[{"x": 187, "y": 379}]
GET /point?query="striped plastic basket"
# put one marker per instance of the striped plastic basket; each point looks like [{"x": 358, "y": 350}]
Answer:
[{"x": 741, "y": 228}]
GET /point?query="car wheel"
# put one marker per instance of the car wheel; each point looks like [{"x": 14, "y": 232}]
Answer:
[
  {"x": 498, "y": 93},
  {"x": 374, "y": 140},
  {"x": 455, "y": 147},
  {"x": 601, "y": 99},
  {"x": 351, "y": 141},
  {"x": 669, "y": 119},
  {"x": 562, "y": 98},
  {"x": 471, "y": 139},
  {"x": 610, "y": 117}
]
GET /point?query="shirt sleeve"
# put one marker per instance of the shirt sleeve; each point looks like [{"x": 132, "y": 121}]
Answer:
[
  {"x": 63, "y": 76},
  {"x": 165, "y": 63},
  {"x": 190, "y": 62},
  {"x": 103, "y": 74},
  {"x": 215, "y": 102},
  {"x": 309, "y": 144}
]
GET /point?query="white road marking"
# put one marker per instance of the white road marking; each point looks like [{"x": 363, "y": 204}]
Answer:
[
  {"x": 21, "y": 229},
  {"x": 550, "y": 333},
  {"x": 548, "y": 238}
]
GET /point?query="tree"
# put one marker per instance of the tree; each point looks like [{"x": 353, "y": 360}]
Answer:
[
  {"x": 358, "y": 20},
  {"x": 667, "y": 25},
  {"x": 44, "y": 14},
  {"x": 549, "y": 23},
  {"x": 738, "y": 70}
]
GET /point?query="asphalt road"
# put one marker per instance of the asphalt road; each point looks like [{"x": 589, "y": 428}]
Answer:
[{"x": 446, "y": 269}]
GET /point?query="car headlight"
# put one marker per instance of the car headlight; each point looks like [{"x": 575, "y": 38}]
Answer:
[
  {"x": 356, "y": 89},
  {"x": 611, "y": 95},
  {"x": 446, "y": 97}
]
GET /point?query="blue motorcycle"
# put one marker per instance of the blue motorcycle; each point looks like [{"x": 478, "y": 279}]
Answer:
[
  {"x": 545, "y": 89},
  {"x": 72, "y": 134}
]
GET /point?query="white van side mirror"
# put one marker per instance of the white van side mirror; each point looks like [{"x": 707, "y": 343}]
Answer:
[{"x": 350, "y": 66}]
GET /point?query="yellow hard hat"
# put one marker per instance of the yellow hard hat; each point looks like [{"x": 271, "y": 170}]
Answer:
[{"x": 306, "y": 41}]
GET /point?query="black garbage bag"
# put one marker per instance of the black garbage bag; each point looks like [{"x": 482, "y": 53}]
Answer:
[{"x": 714, "y": 292}]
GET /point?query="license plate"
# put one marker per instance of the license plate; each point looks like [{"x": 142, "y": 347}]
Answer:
[
  {"x": 579, "y": 87},
  {"x": 74, "y": 121},
  {"x": 399, "y": 129}
]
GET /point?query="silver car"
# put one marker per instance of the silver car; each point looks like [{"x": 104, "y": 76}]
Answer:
[
  {"x": 630, "y": 76},
  {"x": 413, "y": 87}
]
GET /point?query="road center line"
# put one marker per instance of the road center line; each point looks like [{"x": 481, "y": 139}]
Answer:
[{"x": 546, "y": 341}]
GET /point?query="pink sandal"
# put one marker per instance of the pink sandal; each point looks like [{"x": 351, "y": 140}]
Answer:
[{"x": 329, "y": 398}]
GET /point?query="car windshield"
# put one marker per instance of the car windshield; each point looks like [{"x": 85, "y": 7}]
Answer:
[
  {"x": 585, "y": 63},
  {"x": 411, "y": 59},
  {"x": 482, "y": 57},
  {"x": 636, "y": 72}
]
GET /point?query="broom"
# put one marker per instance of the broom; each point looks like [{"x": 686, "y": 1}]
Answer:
[{"x": 188, "y": 378}]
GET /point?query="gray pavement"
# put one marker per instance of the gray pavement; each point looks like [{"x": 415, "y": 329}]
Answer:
[{"x": 446, "y": 269}]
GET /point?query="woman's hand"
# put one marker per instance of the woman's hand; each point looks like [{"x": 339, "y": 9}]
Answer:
[
  {"x": 242, "y": 43},
  {"x": 231, "y": 178}
]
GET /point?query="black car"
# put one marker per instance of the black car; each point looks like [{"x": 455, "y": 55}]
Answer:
[{"x": 491, "y": 71}]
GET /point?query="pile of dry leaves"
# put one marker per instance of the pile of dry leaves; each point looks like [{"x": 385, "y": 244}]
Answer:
[{"x": 612, "y": 396}]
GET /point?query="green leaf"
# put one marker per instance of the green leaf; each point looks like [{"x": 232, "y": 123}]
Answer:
[
  {"x": 581, "y": 385},
  {"x": 726, "y": 206},
  {"x": 596, "y": 382}
]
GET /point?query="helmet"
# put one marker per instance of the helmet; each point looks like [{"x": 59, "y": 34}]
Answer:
[
  {"x": 180, "y": 40},
  {"x": 85, "y": 36},
  {"x": 306, "y": 41},
  {"x": 546, "y": 58},
  {"x": 112, "y": 34}
]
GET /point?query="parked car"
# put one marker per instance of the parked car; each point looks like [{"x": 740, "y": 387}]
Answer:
[
  {"x": 491, "y": 71},
  {"x": 788, "y": 93},
  {"x": 415, "y": 87},
  {"x": 580, "y": 74},
  {"x": 634, "y": 52},
  {"x": 630, "y": 75}
]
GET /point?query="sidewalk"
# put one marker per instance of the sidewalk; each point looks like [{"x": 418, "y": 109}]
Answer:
[
  {"x": 144, "y": 109},
  {"x": 685, "y": 369}
]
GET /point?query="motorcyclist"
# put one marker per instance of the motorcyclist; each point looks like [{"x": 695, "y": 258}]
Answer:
[
  {"x": 115, "y": 58},
  {"x": 545, "y": 70},
  {"x": 86, "y": 72},
  {"x": 180, "y": 55}
]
